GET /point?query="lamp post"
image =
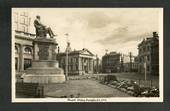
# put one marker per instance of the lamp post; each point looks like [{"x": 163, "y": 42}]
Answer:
[{"x": 66, "y": 68}]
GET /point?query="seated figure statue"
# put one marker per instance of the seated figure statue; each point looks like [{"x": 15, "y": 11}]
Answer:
[{"x": 42, "y": 30}]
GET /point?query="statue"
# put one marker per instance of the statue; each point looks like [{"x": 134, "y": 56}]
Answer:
[{"x": 42, "y": 30}]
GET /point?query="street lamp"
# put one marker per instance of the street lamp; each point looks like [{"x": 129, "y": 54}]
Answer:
[{"x": 66, "y": 68}]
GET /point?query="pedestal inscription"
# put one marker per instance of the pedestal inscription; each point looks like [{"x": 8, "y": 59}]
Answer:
[{"x": 43, "y": 52}]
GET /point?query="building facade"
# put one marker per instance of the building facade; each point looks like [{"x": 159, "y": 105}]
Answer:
[
  {"x": 97, "y": 65},
  {"x": 129, "y": 63},
  {"x": 79, "y": 62},
  {"x": 148, "y": 55},
  {"x": 130, "y": 67},
  {"x": 111, "y": 62},
  {"x": 23, "y": 41}
]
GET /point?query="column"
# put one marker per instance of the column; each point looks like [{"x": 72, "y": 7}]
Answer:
[
  {"x": 91, "y": 63},
  {"x": 21, "y": 58},
  {"x": 18, "y": 63},
  {"x": 81, "y": 63},
  {"x": 88, "y": 65}
]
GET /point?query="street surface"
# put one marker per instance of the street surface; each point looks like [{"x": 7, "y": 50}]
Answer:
[{"x": 83, "y": 89}]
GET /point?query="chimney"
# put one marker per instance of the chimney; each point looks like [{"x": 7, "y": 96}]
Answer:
[{"x": 155, "y": 34}]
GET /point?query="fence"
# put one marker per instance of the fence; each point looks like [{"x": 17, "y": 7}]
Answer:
[{"x": 143, "y": 83}]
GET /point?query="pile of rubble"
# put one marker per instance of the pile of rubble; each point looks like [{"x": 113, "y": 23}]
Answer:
[{"x": 130, "y": 87}]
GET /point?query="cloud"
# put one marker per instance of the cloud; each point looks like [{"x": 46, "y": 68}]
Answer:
[
  {"x": 96, "y": 19},
  {"x": 97, "y": 29},
  {"x": 115, "y": 37},
  {"x": 123, "y": 35}
]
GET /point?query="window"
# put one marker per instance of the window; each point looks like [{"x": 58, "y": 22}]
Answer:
[
  {"x": 148, "y": 48},
  {"x": 26, "y": 29},
  {"x": 23, "y": 20},
  {"x": 76, "y": 67},
  {"x": 63, "y": 60},
  {"x": 148, "y": 58},
  {"x": 143, "y": 49},
  {"x": 26, "y": 21},
  {"x": 16, "y": 63},
  {"x": 71, "y": 60},
  {"x": 27, "y": 63},
  {"x": 16, "y": 26},
  {"x": 16, "y": 17},
  {"x": 148, "y": 68},
  {"x": 22, "y": 28},
  {"x": 28, "y": 50},
  {"x": 84, "y": 60},
  {"x": 76, "y": 60},
  {"x": 71, "y": 68},
  {"x": 140, "y": 59}
]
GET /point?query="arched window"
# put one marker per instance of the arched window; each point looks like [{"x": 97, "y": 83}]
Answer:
[
  {"x": 27, "y": 50},
  {"x": 16, "y": 49}
]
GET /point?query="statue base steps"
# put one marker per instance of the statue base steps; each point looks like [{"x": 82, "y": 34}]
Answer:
[
  {"x": 44, "y": 78},
  {"x": 44, "y": 71}
]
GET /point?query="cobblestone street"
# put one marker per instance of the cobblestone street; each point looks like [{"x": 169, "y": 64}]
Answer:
[{"x": 83, "y": 88}]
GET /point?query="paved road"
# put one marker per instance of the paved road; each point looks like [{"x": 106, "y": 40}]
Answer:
[{"x": 86, "y": 88}]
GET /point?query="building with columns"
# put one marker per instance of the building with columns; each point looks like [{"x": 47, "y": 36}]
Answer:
[
  {"x": 79, "y": 62},
  {"x": 23, "y": 41},
  {"x": 23, "y": 50}
]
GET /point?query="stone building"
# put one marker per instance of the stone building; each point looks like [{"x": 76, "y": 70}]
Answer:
[
  {"x": 111, "y": 62},
  {"x": 23, "y": 41},
  {"x": 148, "y": 55},
  {"x": 129, "y": 63},
  {"x": 79, "y": 62},
  {"x": 97, "y": 65},
  {"x": 130, "y": 67}
]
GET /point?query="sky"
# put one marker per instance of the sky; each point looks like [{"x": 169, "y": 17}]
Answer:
[{"x": 99, "y": 29}]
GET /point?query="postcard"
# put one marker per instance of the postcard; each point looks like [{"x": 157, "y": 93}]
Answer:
[{"x": 87, "y": 54}]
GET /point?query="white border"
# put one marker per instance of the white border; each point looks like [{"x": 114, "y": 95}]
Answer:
[{"x": 113, "y": 99}]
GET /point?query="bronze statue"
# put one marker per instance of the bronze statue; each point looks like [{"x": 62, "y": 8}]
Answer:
[{"x": 42, "y": 30}]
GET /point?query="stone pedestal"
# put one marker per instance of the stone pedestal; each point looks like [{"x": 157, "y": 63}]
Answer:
[{"x": 44, "y": 66}]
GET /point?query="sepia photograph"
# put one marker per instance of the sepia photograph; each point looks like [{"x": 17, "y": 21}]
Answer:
[{"x": 87, "y": 54}]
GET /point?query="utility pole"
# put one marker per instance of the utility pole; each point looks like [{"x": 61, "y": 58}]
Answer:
[
  {"x": 130, "y": 55},
  {"x": 97, "y": 64},
  {"x": 66, "y": 68}
]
